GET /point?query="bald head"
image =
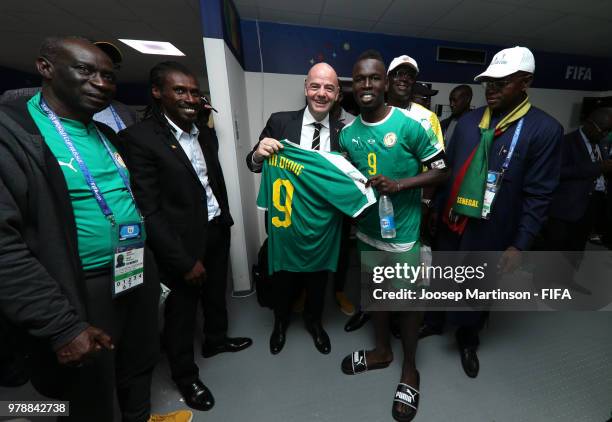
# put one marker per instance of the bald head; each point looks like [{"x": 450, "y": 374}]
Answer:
[
  {"x": 322, "y": 70},
  {"x": 321, "y": 90},
  {"x": 459, "y": 100}
]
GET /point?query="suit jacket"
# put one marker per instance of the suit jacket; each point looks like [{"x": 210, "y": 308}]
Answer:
[
  {"x": 523, "y": 200},
  {"x": 578, "y": 175},
  {"x": 170, "y": 195},
  {"x": 288, "y": 125},
  {"x": 444, "y": 124}
]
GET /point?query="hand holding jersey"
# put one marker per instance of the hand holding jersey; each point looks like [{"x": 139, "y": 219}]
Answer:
[
  {"x": 305, "y": 193},
  {"x": 265, "y": 148}
]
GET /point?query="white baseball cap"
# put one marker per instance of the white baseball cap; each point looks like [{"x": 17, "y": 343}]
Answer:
[
  {"x": 398, "y": 61},
  {"x": 509, "y": 61}
]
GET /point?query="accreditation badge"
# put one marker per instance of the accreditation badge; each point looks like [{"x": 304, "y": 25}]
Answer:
[
  {"x": 494, "y": 179},
  {"x": 128, "y": 258}
]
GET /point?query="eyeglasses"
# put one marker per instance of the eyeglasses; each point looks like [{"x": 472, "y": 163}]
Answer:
[
  {"x": 403, "y": 74},
  {"x": 496, "y": 85}
]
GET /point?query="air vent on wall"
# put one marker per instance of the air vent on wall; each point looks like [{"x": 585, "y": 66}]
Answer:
[{"x": 461, "y": 55}]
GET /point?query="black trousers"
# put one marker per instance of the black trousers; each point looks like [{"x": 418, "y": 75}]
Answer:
[
  {"x": 562, "y": 235},
  {"x": 286, "y": 287},
  {"x": 131, "y": 321},
  {"x": 469, "y": 325},
  {"x": 344, "y": 256},
  {"x": 182, "y": 306}
]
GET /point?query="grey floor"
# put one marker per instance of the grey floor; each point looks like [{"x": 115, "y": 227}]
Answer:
[{"x": 553, "y": 366}]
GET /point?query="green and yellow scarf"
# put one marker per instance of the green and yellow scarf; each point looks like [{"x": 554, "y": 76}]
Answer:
[{"x": 467, "y": 192}]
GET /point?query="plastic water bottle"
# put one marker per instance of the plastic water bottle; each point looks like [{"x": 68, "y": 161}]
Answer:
[{"x": 387, "y": 220}]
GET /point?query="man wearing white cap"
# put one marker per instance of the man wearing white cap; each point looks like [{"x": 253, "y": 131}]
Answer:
[{"x": 512, "y": 148}]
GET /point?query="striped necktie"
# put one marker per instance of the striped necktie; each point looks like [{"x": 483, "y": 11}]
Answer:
[{"x": 316, "y": 136}]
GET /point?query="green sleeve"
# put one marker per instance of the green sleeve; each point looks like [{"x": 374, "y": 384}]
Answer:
[{"x": 264, "y": 187}]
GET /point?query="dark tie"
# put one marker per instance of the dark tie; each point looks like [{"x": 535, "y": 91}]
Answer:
[{"x": 316, "y": 136}]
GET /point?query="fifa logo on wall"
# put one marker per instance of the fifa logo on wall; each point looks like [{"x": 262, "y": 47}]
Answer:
[{"x": 578, "y": 73}]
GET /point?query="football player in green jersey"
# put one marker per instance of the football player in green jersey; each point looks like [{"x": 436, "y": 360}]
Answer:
[{"x": 396, "y": 172}]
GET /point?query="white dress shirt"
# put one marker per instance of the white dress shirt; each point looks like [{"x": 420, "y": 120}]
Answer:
[
  {"x": 308, "y": 131},
  {"x": 595, "y": 153},
  {"x": 193, "y": 151}
]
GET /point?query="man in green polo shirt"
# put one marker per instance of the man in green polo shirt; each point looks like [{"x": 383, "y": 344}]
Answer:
[{"x": 66, "y": 213}]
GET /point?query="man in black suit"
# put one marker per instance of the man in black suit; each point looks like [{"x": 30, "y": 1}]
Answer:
[
  {"x": 459, "y": 99},
  {"x": 179, "y": 186},
  {"x": 312, "y": 128},
  {"x": 579, "y": 201}
]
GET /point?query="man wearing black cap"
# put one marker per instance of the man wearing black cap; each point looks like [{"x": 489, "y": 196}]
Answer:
[
  {"x": 117, "y": 115},
  {"x": 422, "y": 93}
]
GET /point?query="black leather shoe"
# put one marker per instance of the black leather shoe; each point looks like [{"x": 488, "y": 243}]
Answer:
[
  {"x": 319, "y": 336},
  {"x": 427, "y": 330},
  {"x": 356, "y": 321},
  {"x": 13, "y": 374},
  {"x": 229, "y": 344},
  {"x": 469, "y": 361},
  {"x": 197, "y": 396},
  {"x": 278, "y": 337}
]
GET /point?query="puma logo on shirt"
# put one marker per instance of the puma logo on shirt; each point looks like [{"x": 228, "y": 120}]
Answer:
[{"x": 69, "y": 164}]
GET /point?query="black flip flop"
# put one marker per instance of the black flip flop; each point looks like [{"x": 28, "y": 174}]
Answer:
[
  {"x": 356, "y": 363},
  {"x": 408, "y": 396}
]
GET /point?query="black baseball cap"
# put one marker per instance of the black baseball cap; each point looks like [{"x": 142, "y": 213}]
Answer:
[
  {"x": 423, "y": 89},
  {"x": 111, "y": 50}
]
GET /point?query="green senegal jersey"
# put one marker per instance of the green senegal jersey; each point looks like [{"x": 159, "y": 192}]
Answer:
[
  {"x": 305, "y": 193},
  {"x": 93, "y": 228},
  {"x": 394, "y": 147}
]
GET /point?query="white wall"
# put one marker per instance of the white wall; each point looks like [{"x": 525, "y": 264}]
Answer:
[{"x": 228, "y": 92}]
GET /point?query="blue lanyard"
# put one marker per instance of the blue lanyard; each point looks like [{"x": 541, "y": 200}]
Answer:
[
  {"x": 515, "y": 137},
  {"x": 118, "y": 121},
  {"x": 93, "y": 186}
]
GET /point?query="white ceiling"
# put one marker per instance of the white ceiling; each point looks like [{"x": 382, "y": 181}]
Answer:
[
  {"x": 565, "y": 26},
  {"x": 568, "y": 26}
]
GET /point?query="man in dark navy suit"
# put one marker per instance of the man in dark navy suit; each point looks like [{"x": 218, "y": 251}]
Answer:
[
  {"x": 482, "y": 143},
  {"x": 579, "y": 202},
  {"x": 311, "y": 127}
]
